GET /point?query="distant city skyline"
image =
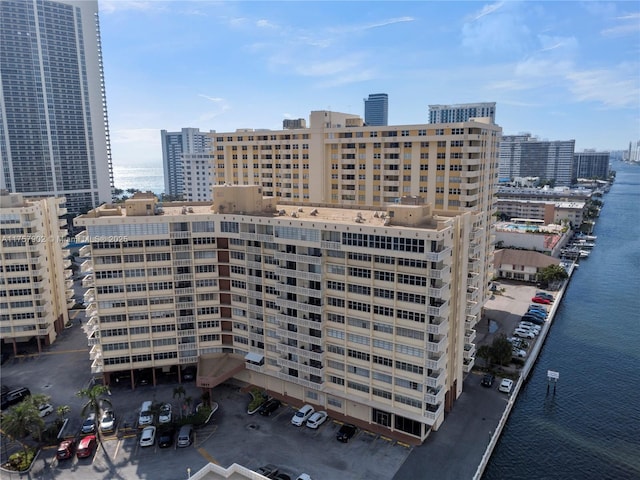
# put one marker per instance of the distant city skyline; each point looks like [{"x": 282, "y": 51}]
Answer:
[{"x": 562, "y": 70}]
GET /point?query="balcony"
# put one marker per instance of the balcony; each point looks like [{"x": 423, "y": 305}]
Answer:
[
  {"x": 88, "y": 281},
  {"x": 302, "y": 352},
  {"x": 300, "y": 322},
  {"x": 436, "y": 379},
  {"x": 439, "y": 311},
  {"x": 300, "y": 381},
  {"x": 66, "y": 274},
  {"x": 85, "y": 251},
  {"x": 437, "y": 347},
  {"x": 186, "y": 333},
  {"x": 434, "y": 415},
  {"x": 95, "y": 352},
  {"x": 469, "y": 350},
  {"x": 91, "y": 309},
  {"x": 292, "y": 257},
  {"x": 300, "y": 366},
  {"x": 443, "y": 293},
  {"x": 436, "y": 362},
  {"x": 441, "y": 328},
  {"x": 434, "y": 396},
  {"x": 440, "y": 256},
  {"x": 443, "y": 273},
  {"x": 71, "y": 303},
  {"x": 469, "y": 336},
  {"x": 87, "y": 266},
  {"x": 330, "y": 245},
  {"x": 66, "y": 263},
  {"x": 305, "y": 307},
  {"x": 468, "y": 364},
  {"x": 82, "y": 237},
  {"x": 69, "y": 293},
  {"x": 285, "y": 272},
  {"x": 90, "y": 295},
  {"x": 94, "y": 339},
  {"x": 97, "y": 366}
]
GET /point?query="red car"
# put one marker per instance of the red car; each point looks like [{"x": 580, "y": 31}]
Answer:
[
  {"x": 86, "y": 446},
  {"x": 65, "y": 449},
  {"x": 544, "y": 301}
]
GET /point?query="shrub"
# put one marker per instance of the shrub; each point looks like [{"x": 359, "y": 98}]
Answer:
[
  {"x": 20, "y": 461},
  {"x": 257, "y": 398}
]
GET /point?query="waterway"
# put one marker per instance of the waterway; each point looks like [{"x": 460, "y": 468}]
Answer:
[{"x": 588, "y": 429}]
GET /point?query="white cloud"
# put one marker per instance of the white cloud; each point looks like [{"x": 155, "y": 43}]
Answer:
[
  {"x": 609, "y": 87},
  {"x": 213, "y": 99},
  {"x": 486, "y": 10},
  {"x": 111, "y": 6},
  {"x": 498, "y": 28},
  {"x": 262, "y": 23},
  {"x": 384, "y": 23},
  {"x": 626, "y": 24}
]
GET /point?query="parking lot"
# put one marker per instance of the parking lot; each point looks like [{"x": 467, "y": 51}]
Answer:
[{"x": 233, "y": 436}]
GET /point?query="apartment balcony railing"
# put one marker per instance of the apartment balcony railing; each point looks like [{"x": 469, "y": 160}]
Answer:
[
  {"x": 469, "y": 336},
  {"x": 285, "y": 272},
  {"x": 97, "y": 366},
  {"x": 330, "y": 245},
  {"x": 67, "y": 273},
  {"x": 186, "y": 333},
  {"x": 66, "y": 263},
  {"x": 301, "y": 352},
  {"x": 300, "y": 381},
  {"x": 90, "y": 295},
  {"x": 87, "y": 266},
  {"x": 308, "y": 292},
  {"x": 434, "y": 398},
  {"x": 300, "y": 322},
  {"x": 441, "y": 311},
  {"x": 292, "y": 257},
  {"x": 441, "y": 328},
  {"x": 85, "y": 251},
  {"x": 305, "y": 307},
  {"x": 468, "y": 364},
  {"x": 436, "y": 379},
  {"x": 440, "y": 256},
  {"x": 469, "y": 350},
  {"x": 301, "y": 337},
  {"x": 437, "y": 347},
  {"x": 174, "y": 235},
  {"x": 301, "y": 367},
  {"x": 436, "y": 363}
]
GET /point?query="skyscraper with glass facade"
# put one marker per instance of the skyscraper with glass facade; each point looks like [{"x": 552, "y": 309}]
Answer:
[
  {"x": 376, "y": 109},
  {"x": 174, "y": 146},
  {"x": 54, "y": 135}
]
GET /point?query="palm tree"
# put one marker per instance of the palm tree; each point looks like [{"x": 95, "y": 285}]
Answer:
[
  {"x": 179, "y": 392},
  {"x": 23, "y": 419},
  {"x": 62, "y": 411},
  {"x": 95, "y": 397}
]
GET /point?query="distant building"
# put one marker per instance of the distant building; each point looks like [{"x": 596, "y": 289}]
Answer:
[
  {"x": 523, "y": 265},
  {"x": 54, "y": 133},
  {"x": 36, "y": 287},
  {"x": 548, "y": 211},
  {"x": 527, "y": 156},
  {"x": 591, "y": 164},
  {"x": 294, "y": 123},
  {"x": 462, "y": 112},
  {"x": 376, "y": 110},
  {"x": 174, "y": 145},
  {"x": 633, "y": 153},
  {"x": 198, "y": 174},
  {"x": 529, "y": 234}
]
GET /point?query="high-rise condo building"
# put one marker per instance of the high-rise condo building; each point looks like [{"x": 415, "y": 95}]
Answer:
[
  {"x": 462, "y": 112},
  {"x": 174, "y": 146},
  {"x": 527, "y": 156},
  {"x": 376, "y": 110},
  {"x": 351, "y": 277},
  {"x": 36, "y": 287},
  {"x": 54, "y": 134},
  {"x": 591, "y": 164}
]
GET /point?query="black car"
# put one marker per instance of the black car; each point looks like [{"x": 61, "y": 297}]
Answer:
[
  {"x": 165, "y": 437},
  {"x": 487, "y": 380},
  {"x": 14, "y": 396},
  {"x": 281, "y": 476},
  {"x": 269, "y": 407},
  {"x": 268, "y": 470},
  {"x": 346, "y": 432},
  {"x": 532, "y": 319}
]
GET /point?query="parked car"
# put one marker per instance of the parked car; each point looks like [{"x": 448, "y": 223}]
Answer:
[
  {"x": 108, "y": 421},
  {"x": 146, "y": 415},
  {"x": 519, "y": 332},
  {"x": 519, "y": 353},
  {"x": 537, "y": 306},
  {"x": 165, "y": 437},
  {"x": 65, "y": 449},
  {"x": 148, "y": 437},
  {"x": 302, "y": 415},
  {"x": 317, "y": 419},
  {"x": 189, "y": 374},
  {"x": 546, "y": 295},
  {"x": 269, "y": 470},
  {"x": 185, "y": 436},
  {"x": 281, "y": 476},
  {"x": 165, "y": 413},
  {"x": 269, "y": 407},
  {"x": 14, "y": 396},
  {"x": 346, "y": 432},
  {"x": 544, "y": 301},
  {"x": 506, "y": 385},
  {"x": 86, "y": 446},
  {"x": 532, "y": 319},
  {"x": 536, "y": 313},
  {"x": 44, "y": 410},
  {"x": 535, "y": 331},
  {"x": 304, "y": 476},
  {"x": 530, "y": 325},
  {"x": 89, "y": 424},
  {"x": 487, "y": 380}
]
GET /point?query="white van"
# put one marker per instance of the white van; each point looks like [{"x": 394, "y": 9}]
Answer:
[
  {"x": 185, "y": 436},
  {"x": 146, "y": 415}
]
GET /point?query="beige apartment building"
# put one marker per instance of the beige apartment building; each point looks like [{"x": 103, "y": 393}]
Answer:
[
  {"x": 367, "y": 312},
  {"x": 36, "y": 287}
]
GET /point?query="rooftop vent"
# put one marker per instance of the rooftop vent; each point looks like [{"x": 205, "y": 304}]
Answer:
[
  {"x": 281, "y": 212},
  {"x": 294, "y": 214},
  {"x": 314, "y": 212}
]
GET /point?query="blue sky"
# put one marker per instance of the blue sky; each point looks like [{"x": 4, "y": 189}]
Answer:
[{"x": 560, "y": 70}]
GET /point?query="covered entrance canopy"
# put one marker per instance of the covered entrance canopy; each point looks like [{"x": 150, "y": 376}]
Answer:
[{"x": 216, "y": 368}]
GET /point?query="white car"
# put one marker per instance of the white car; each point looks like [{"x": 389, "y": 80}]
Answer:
[
  {"x": 148, "y": 437},
  {"x": 317, "y": 419},
  {"x": 44, "y": 410},
  {"x": 519, "y": 352},
  {"x": 165, "y": 414},
  {"x": 535, "y": 331},
  {"x": 302, "y": 415},
  {"x": 506, "y": 385},
  {"x": 108, "y": 421},
  {"x": 522, "y": 333}
]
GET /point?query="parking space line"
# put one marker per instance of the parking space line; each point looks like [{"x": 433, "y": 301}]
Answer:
[
  {"x": 206, "y": 455},
  {"x": 117, "y": 449}
]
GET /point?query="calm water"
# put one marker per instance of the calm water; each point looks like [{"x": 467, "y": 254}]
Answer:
[
  {"x": 591, "y": 428},
  {"x": 142, "y": 178}
]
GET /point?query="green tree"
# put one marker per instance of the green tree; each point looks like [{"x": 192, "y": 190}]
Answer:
[
  {"x": 501, "y": 350},
  {"x": 24, "y": 419},
  {"x": 484, "y": 352},
  {"x": 62, "y": 411},
  {"x": 179, "y": 392},
  {"x": 551, "y": 274},
  {"x": 95, "y": 399}
]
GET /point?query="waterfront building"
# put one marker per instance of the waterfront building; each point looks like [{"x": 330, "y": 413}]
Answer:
[
  {"x": 564, "y": 194},
  {"x": 521, "y": 265},
  {"x": 591, "y": 164},
  {"x": 54, "y": 133},
  {"x": 527, "y": 156},
  {"x": 36, "y": 287},
  {"x": 548, "y": 211},
  {"x": 174, "y": 146},
  {"x": 368, "y": 313},
  {"x": 376, "y": 110},
  {"x": 462, "y": 112},
  {"x": 529, "y": 234}
]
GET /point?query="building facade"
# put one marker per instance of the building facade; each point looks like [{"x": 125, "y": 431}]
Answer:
[
  {"x": 462, "y": 112},
  {"x": 54, "y": 134},
  {"x": 376, "y": 110},
  {"x": 527, "y": 156},
  {"x": 174, "y": 146},
  {"x": 368, "y": 313},
  {"x": 36, "y": 287},
  {"x": 591, "y": 164},
  {"x": 197, "y": 176}
]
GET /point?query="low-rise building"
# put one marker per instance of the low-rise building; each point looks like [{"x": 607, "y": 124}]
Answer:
[
  {"x": 523, "y": 265},
  {"x": 533, "y": 235}
]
